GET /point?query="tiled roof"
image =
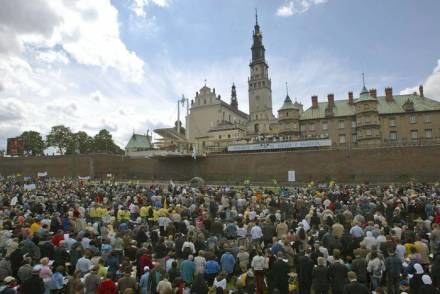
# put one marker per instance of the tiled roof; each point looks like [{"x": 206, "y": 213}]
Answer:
[{"x": 343, "y": 108}]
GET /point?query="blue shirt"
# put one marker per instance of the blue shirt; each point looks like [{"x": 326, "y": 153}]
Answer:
[
  {"x": 187, "y": 269},
  {"x": 228, "y": 262},
  {"x": 212, "y": 267}
]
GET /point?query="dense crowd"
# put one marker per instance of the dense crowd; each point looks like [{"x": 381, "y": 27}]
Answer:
[{"x": 79, "y": 236}]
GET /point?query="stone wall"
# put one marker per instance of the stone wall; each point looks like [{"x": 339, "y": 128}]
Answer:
[{"x": 355, "y": 165}]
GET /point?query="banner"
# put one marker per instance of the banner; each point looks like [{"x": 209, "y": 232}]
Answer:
[
  {"x": 109, "y": 175},
  {"x": 291, "y": 176},
  {"x": 84, "y": 178},
  {"x": 280, "y": 145},
  {"x": 29, "y": 187},
  {"x": 42, "y": 174}
]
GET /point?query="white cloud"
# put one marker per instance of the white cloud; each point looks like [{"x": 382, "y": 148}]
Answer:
[
  {"x": 431, "y": 85},
  {"x": 138, "y": 6},
  {"x": 292, "y": 7}
]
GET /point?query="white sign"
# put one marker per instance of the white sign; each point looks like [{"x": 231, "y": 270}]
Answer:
[
  {"x": 29, "y": 187},
  {"x": 291, "y": 176},
  {"x": 42, "y": 174},
  {"x": 109, "y": 175},
  {"x": 84, "y": 178},
  {"x": 280, "y": 145}
]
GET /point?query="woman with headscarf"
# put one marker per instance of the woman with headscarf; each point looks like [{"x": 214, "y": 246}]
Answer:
[{"x": 416, "y": 281}]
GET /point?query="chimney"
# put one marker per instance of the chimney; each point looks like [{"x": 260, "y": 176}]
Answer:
[
  {"x": 331, "y": 100},
  {"x": 421, "y": 91},
  {"x": 350, "y": 98},
  {"x": 373, "y": 93},
  {"x": 315, "y": 101},
  {"x": 389, "y": 94}
]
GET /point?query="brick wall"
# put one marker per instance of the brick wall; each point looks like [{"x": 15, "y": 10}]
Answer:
[{"x": 356, "y": 165}]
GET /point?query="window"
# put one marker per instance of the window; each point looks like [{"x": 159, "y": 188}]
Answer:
[
  {"x": 393, "y": 136},
  {"x": 312, "y": 127},
  {"x": 427, "y": 118},
  {"x": 428, "y": 133},
  {"x": 325, "y": 125},
  {"x": 341, "y": 124},
  {"x": 295, "y": 125},
  {"x": 412, "y": 118},
  {"x": 414, "y": 134},
  {"x": 353, "y": 124},
  {"x": 392, "y": 122},
  {"x": 341, "y": 139},
  {"x": 369, "y": 132},
  {"x": 353, "y": 138},
  {"x": 304, "y": 127},
  {"x": 229, "y": 136},
  {"x": 219, "y": 136},
  {"x": 287, "y": 114},
  {"x": 367, "y": 119}
]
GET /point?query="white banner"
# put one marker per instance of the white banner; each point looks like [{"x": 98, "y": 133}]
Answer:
[
  {"x": 84, "y": 178},
  {"x": 280, "y": 145},
  {"x": 291, "y": 176},
  {"x": 29, "y": 187},
  {"x": 109, "y": 175},
  {"x": 42, "y": 174}
]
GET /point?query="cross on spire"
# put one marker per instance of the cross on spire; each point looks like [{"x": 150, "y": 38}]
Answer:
[
  {"x": 287, "y": 89},
  {"x": 363, "y": 79},
  {"x": 205, "y": 82}
]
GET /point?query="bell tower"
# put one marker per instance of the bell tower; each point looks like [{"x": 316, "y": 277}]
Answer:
[{"x": 260, "y": 86}]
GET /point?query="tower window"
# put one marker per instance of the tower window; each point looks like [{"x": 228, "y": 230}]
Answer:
[
  {"x": 393, "y": 135},
  {"x": 412, "y": 118},
  {"x": 414, "y": 134},
  {"x": 428, "y": 133}
]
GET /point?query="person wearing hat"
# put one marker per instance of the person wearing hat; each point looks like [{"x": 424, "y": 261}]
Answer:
[
  {"x": 416, "y": 281},
  {"x": 144, "y": 282},
  {"x": 35, "y": 284},
  {"x": 354, "y": 287},
  {"x": 9, "y": 285},
  {"x": 127, "y": 281},
  {"x": 427, "y": 287}
]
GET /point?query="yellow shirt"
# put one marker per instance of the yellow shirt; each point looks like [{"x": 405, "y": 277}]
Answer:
[
  {"x": 35, "y": 227},
  {"x": 143, "y": 211}
]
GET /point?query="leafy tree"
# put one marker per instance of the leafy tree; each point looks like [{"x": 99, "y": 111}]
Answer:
[
  {"x": 103, "y": 142},
  {"x": 81, "y": 142},
  {"x": 60, "y": 137},
  {"x": 33, "y": 143}
]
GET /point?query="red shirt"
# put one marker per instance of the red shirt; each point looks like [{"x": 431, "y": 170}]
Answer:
[
  {"x": 57, "y": 239},
  {"x": 107, "y": 286}
]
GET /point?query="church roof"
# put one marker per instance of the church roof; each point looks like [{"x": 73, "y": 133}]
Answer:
[
  {"x": 139, "y": 142},
  {"x": 287, "y": 105},
  {"x": 343, "y": 108},
  {"x": 237, "y": 111}
]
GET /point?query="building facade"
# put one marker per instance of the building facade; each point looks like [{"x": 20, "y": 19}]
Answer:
[{"x": 366, "y": 120}]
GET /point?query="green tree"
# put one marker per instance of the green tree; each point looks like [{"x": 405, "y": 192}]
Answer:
[
  {"x": 33, "y": 143},
  {"x": 103, "y": 142},
  {"x": 60, "y": 137},
  {"x": 81, "y": 142}
]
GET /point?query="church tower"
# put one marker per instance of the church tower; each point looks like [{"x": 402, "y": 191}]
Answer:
[
  {"x": 234, "y": 102},
  {"x": 260, "y": 90}
]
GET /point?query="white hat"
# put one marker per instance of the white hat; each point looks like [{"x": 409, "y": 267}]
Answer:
[
  {"x": 426, "y": 280},
  {"x": 418, "y": 268},
  {"x": 36, "y": 268},
  {"x": 146, "y": 268}
]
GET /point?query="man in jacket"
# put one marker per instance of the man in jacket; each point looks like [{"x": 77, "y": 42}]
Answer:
[
  {"x": 393, "y": 266},
  {"x": 304, "y": 270},
  {"x": 354, "y": 287}
]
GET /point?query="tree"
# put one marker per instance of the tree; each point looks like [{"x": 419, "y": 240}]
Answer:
[
  {"x": 81, "y": 142},
  {"x": 33, "y": 143},
  {"x": 60, "y": 137},
  {"x": 103, "y": 142}
]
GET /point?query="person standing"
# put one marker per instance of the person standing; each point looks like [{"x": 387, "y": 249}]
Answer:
[
  {"x": 354, "y": 287},
  {"x": 187, "y": 269},
  {"x": 280, "y": 274},
  {"x": 305, "y": 273},
  {"x": 393, "y": 266},
  {"x": 259, "y": 264},
  {"x": 320, "y": 274}
]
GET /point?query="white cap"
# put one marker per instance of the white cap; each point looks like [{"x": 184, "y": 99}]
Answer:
[
  {"x": 426, "y": 280},
  {"x": 418, "y": 268}
]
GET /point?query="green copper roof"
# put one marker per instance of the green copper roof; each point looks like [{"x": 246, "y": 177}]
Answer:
[
  {"x": 364, "y": 96},
  {"x": 288, "y": 104},
  {"x": 139, "y": 142},
  {"x": 343, "y": 108}
]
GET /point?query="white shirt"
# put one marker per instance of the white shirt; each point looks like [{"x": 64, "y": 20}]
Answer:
[
  {"x": 256, "y": 232},
  {"x": 221, "y": 283}
]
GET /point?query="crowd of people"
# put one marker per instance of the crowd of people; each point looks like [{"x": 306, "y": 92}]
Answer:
[{"x": 79, "y": 236}]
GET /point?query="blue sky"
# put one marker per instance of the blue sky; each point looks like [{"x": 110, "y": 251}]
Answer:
[{"x": 121, "y": 64}]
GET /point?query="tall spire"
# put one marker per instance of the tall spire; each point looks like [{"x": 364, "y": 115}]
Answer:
[
  {"x": 256, "y": 17},
  {"x": 257, "y": 46},
  {"x": 364, "y": 89},
  {"x": 234, "y": 102}
]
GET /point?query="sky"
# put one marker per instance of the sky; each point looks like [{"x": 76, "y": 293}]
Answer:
[{"x": 122, "y": 64}]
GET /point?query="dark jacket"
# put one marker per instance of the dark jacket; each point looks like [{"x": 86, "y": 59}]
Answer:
[
  {"x": 393, "y": 266},
  {"x": 33, "y": 285},
  {"x": 359, "y": 266},
  {"x": 415, "y": 283},
  {"x": 320, "y": 277},
  {"x": 355, "y": 287},
  {"x": 280, "y": 276},
  {"x": 338, "y": 276},
  {"x": 428, "y": 289}
]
